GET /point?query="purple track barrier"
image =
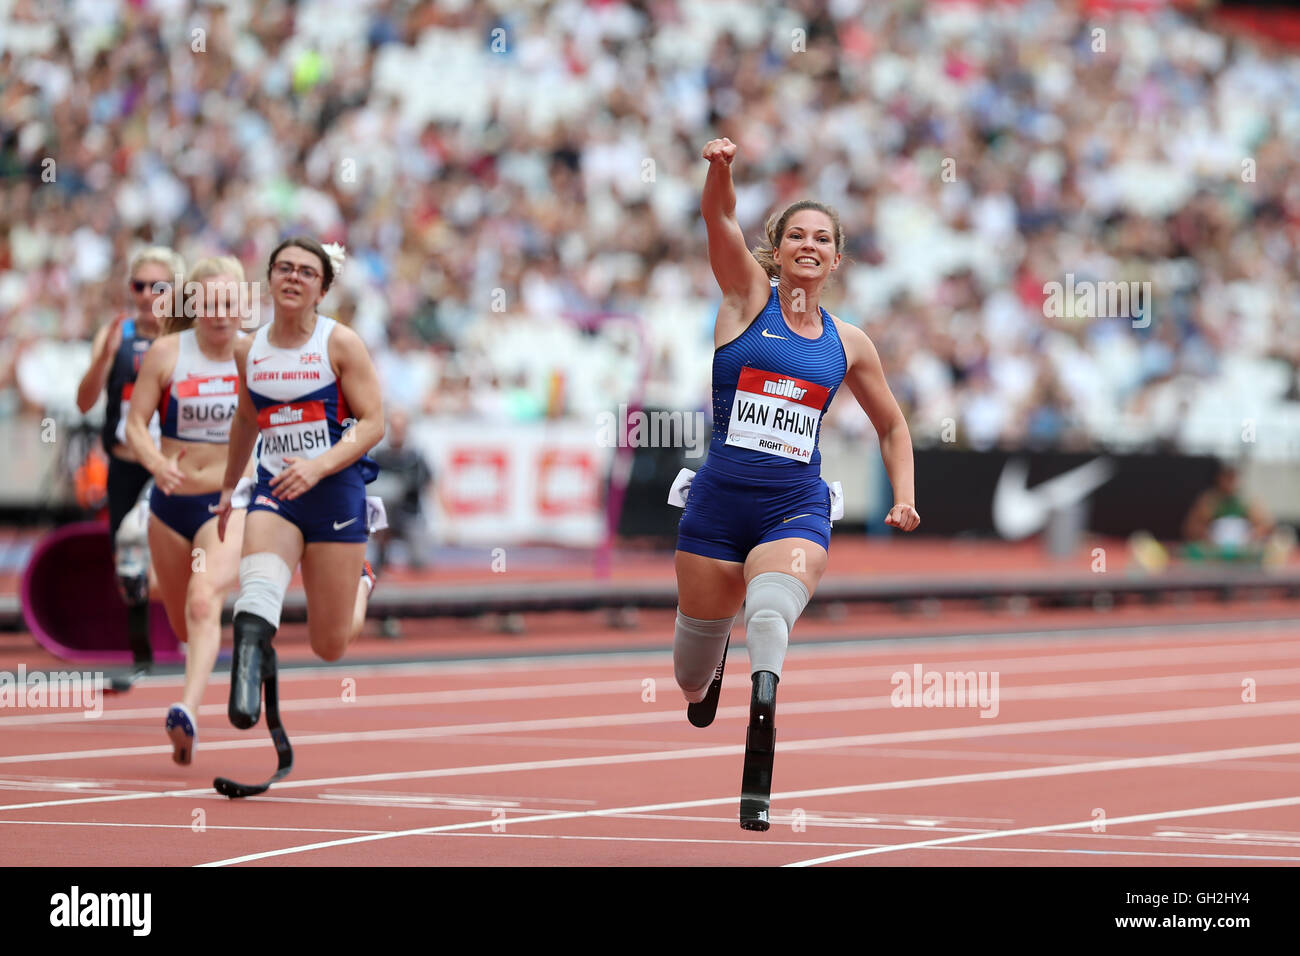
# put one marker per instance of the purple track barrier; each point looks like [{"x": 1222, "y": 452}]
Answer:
[{"x": 71, "y": 604}]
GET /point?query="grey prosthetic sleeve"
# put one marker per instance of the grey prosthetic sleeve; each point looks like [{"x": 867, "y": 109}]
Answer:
[
  {"x": 697, "y": 650},
  {"x": 773, "y": 602}
]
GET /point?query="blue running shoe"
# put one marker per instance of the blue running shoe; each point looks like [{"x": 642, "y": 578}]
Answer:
[{"x": 180, "y": 728}]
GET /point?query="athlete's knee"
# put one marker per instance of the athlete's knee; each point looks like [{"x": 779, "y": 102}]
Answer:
[
  {"x": 263, "y": 580},
  {"x": 329, "y": 643},
  {"x": 202, "y": 603}
]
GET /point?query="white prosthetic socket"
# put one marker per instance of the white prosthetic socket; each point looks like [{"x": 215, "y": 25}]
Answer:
[{"x": 263, "y": 581}]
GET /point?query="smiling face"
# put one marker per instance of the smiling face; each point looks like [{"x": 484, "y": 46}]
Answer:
[
  {"x": 807, "y": 249},
  {"x": 300, "y": 289}
]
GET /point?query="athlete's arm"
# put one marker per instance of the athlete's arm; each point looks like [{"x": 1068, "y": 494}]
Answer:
[
  {"x": 1196, "y": 526},
  {"x": 243, "y": 437},
  {"x": 155, "y": 372},
  {"x": 103, "y": 348},
  {"x": 1261, "y": 522},
  {"x": 866, "y": 379},
  {"x": 744, "y": 284},
  {"x": 359, "y": 382}
]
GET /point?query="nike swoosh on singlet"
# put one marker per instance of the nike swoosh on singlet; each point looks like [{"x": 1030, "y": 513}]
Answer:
[
  {"x": 261, "y": 360},
  {"x": 769, "y": 335}
]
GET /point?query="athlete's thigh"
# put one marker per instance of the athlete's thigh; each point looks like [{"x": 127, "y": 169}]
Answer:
[
  {"x": 170, "y": 555},
  {"x": 801, "y": 557},
  {"x": 267, "y": 531},
  {"x": 331, "y": 571},
  {"x": 709, "y": 589},
  {"x": 221, "y": 558}
]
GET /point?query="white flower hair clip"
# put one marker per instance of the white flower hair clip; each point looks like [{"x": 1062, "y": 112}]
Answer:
[{"x": 337, "y": 254}]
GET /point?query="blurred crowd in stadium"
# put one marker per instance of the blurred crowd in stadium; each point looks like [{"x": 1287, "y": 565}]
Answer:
[{"x": 504, "y": 174}]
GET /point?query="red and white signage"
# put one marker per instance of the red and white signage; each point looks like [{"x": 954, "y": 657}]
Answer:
[{"x": 511, "y": 484}]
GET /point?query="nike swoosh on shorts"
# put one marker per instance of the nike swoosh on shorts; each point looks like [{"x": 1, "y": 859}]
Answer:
[{"x": 340, "y": 526}]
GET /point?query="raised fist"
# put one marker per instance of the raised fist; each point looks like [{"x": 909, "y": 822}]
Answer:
[{"x": 721, "y": 151}]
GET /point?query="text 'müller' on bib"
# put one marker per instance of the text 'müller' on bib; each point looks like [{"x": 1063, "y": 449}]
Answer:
[
  {"x": 776, "y": 414},
  {"x": 207, "y": 405},
  {"x": 295, "y": 430}
]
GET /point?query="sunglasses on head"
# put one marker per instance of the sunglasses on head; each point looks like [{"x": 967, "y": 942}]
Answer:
[{"x": 139, "y": 285}]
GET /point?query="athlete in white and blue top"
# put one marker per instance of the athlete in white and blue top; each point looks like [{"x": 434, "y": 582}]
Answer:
[
  {"x": 309, "y": 388},
  {"x": 189, "y": 381},
  {"x": 757, "y": 523}
]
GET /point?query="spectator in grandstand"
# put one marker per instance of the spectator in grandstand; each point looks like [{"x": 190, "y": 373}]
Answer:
[
  {"x": 403, "y": 481},
  {"x": 1223, "y": 525}
]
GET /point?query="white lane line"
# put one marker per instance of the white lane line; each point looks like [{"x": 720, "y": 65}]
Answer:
[
  {"x": 1164, "y": 760},
  {"x": 1060, "y": 827},
  {"x": 177, "y": 826},
  {"x": 1150, "y": 634},
  {"x": 759, "y": 843},
  {"x": 1055, "y": 725},
  {"x": 1179, "y": 656},
  {"x": 1144, "y": 686}
]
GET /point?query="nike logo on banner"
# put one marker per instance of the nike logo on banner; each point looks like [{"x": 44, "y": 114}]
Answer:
[
  {"x": 807, "y": 514},
  {"x": 340, "y": 525},
  {"x": 1019, "y": 511},
  {"x": 769, "y": 335}
]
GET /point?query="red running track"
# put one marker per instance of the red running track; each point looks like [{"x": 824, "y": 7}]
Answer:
[{"x": 1127, "y": 748}]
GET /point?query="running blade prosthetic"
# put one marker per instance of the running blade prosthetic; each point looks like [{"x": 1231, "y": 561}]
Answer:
[
  {"x": 760, "y": 749},
  {"x": 284, "y": 752}
]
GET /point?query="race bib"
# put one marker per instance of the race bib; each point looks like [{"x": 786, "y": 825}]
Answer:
[
  {"x": 205, "y": 407},
  {"x": 776, "y": 414},
  {"x": 155, "y": 426},
  {"x": 294, "y": 430}
]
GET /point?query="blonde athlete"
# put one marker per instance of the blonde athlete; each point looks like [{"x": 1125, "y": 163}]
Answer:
[{"x": 189, "y": 378}]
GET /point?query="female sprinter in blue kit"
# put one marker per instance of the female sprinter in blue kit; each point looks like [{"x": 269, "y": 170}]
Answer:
[{"x": 757, "y": 523}]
